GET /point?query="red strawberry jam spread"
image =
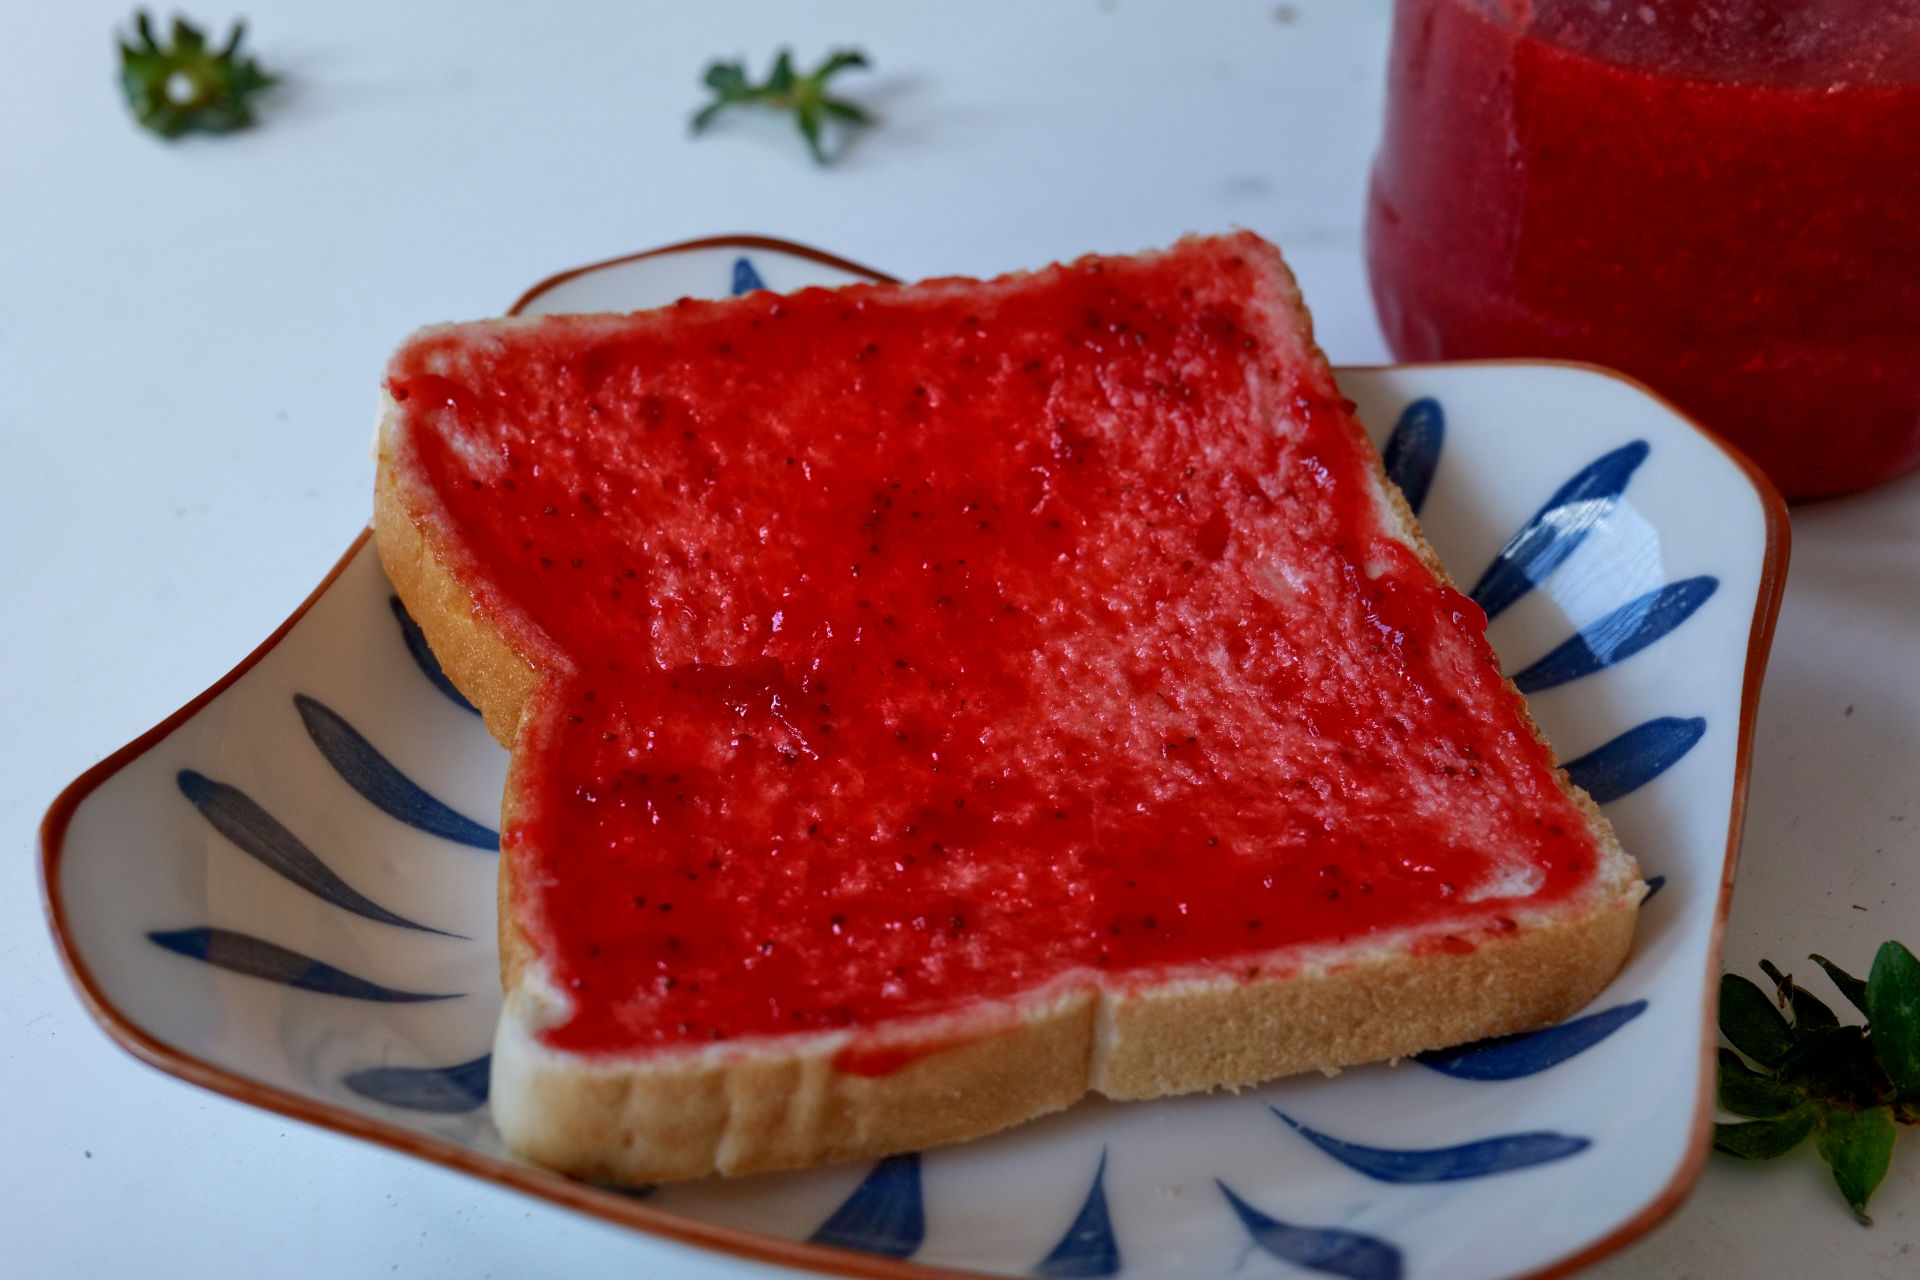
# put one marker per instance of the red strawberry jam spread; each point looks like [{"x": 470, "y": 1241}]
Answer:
[{"x": 907, "y": 649}]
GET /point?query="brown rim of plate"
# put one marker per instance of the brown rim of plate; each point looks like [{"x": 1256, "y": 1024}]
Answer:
[{"x": 615, "y": 1207}]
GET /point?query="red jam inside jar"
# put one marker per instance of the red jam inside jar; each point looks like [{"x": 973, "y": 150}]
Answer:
[{"x": 1718, "y": 197}]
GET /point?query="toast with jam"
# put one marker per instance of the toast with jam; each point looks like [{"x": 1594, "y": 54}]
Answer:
[{"x": 931, "y": 703}]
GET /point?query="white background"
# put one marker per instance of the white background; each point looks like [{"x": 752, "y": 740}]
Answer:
[{"x": 190, "y": 340}]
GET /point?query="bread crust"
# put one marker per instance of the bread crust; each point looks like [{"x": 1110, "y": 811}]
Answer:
[{"x": 781, "y": 1102}]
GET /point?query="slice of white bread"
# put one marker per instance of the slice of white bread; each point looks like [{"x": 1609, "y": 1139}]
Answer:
[{"x": 1480, "y": 959}]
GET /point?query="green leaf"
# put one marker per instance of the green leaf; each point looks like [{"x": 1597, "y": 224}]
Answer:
[
  {"x": 1810, "y": 1012},
  {"x": 1838, "y": 1066},
  {"x": 1893, "y": 1007},
  {"x": 728, "y": 79},
  {"x": 1765, "y": 1139},
  {"x": 1858, "y": 1146},
  {"x": 839, "y": 60},
  {"x": 1747, "y": 1092},
  {"x": 843, "y": 110},
  {"x": 780, "y": 79},
  {"x": 809, "y": 120},
  {"x": 1749, "y": 1020},
  {"x": 1826, "y": 1052},
  {"x": 1851, "y": 987},
  {"x": 183, "y": 86},
  {"x": 187, "y": 38},
  {"x": 785, "y": 90}
]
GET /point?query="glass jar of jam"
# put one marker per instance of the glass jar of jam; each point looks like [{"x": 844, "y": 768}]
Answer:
[{"x": 1718, "y": 197}]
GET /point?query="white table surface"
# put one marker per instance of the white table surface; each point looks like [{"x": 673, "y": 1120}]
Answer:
[{"x": 190, "y": 340}]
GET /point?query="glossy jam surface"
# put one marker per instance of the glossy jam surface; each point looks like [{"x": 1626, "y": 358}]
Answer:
[
  {"x": 908, "y": 648},
  {"x": 1719, "y": 197}
]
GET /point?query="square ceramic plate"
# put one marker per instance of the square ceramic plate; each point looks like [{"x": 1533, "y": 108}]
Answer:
[{"x": 286, "y": 892}]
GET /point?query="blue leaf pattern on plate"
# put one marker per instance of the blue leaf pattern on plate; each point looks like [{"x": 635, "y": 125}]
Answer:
[
  {"x": 1635, "y": 758},
  {"x": 1557, "y": 529},
  {"x": 745, "y": 278},
  {"x": 884, "y": 1214},
  {"x": 374, "y": 776},
  {"x": 1444, "y": 1164},
  {"x": 1413, "y": 450},
  {"x": 1654, "y": 885},
  {"x": 1529, "y": 1053},
  {"x": 232, "y": 813},
  {"x": 1619, "y": 635},
  {"x": 443, "y": 1090},
  {"x": 1327, "y": 1249},
  {"x": 423, "y": 654},
  {"x": 1088, "y": 1248},
  {"x": 258, "y": 958}
]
